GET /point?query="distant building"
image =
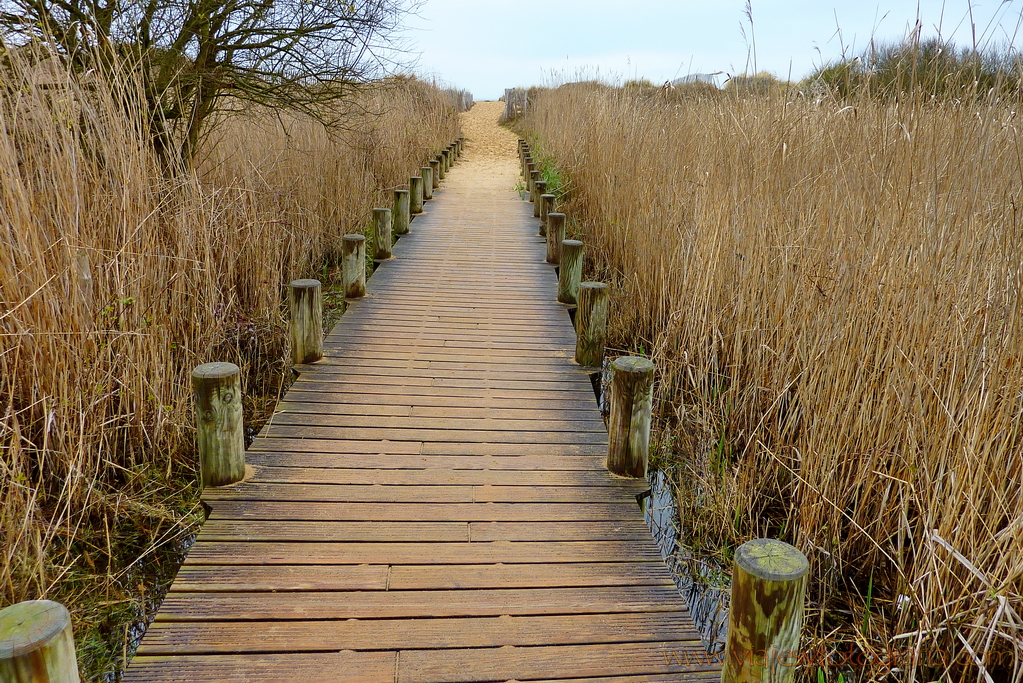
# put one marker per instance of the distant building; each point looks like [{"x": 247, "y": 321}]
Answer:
[{"x": 698, "y": 78}]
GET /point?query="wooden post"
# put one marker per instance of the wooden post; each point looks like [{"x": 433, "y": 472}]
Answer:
[
  {"x": 435, "y": 167},
  {"x": 571, "y": 271},
  {"x": 353, "y": 265},
  {"x": 555, "y": 235},
  {"x": 220, "y": 433},
  {"x": 591, "y": 324},
  {"x": 441, "y": 171},
  {"x": 526, "y": 161},
  {"x": 632, "y": 390},
  {"x": 37, "y": 644},
  {"x": 415, "y": 191},
  {"x": 382, "y": 234},
  {"x": 306, "y": 302},
  {"x": 546, "y": 207},
  {"x": 766, "y": 614},
  {"x": 400, "y": 212},
  {"x": 540, "y": 188},
  {"x": 427, "y": 173},
  {"x": 445, "y": 160},
  {"x": 534, "y": 178}
]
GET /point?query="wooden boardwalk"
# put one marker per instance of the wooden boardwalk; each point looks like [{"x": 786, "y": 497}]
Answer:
[{"x": 430, "y": 502}]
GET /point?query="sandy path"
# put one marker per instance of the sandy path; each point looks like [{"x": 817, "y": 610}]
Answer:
[{"x": 490, "y": 148}]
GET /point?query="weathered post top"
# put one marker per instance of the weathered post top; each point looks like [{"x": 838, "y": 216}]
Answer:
[
  {"x": 772, "y": 560},
  {"x": 216, "y": 370},
  {"x": 766, "y": 615},
  {"x": 632, "y": 384},
  {"x": 36, "y": 643}
]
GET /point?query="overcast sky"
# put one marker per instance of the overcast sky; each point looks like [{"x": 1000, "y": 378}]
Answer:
[{"x": 486, "y": 46}]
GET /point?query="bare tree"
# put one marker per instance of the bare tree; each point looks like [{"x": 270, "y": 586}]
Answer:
[{"x": 194, "y": 56}]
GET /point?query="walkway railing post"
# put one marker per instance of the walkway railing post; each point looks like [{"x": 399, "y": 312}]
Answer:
[
  {"x": 220, "y": 433},
  {"x": 539, "y": 189},
  {"x": 632, "y": 388},
  {"x": 400, "y": 212},
  {"x": 415, "y": 190},
  {"x": 305, "y": 299},
  {"x": 442, "y": 171},
  {"x": 555, "y": 235},
  {"x": 546, "y": 207},
  {"x": 591, "y": 324},
  {"x": 445, "y": 160},
  {"x": 571, "y": 271},
  {"x": 382, "y": 234},
  {"x": 353, "y": 265},
  {"x": 534, "y": 178},
  {"x": 435, "y": 175},
  {"x": 37, "y": 644},
  {"x": 427, "y": 173},
  {"x": 766, "y": 613}
]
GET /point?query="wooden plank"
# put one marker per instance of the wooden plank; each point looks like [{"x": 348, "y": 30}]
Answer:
[
  {"x": 328, "y": 371},
  {"x": 320, "y": 667},
  {"x": 507, "y": 396},
  {"x": 590, "y": 414},
  {"x": 379, "y": 493},
  {"x": 349, "y": 446},
  {"x": 492, "y": 360},
  {"x": 581, "y": 463},
  {"x": 276, "y": 530},
  {"x": 427, "y": 512},
  {"x": 315, "y": 415},
  {"x": 517, "y": 417},
  {"x": 408, "y": 531},
  {"x": 432, "y": 476},
  {"x": 417, "y": 332},
  {"x": 280, "y": 578},
  {"x": 405, "y": 634},
  {"x": 456, "y": 435},
  {"x": 492, "y": 344},
  {"x": 456, "y": 448},
  {"x": 300, "y": 445},
  {"x": 252, "y": 578},
  {"x": 532, "y": 494},
  {"x": 447, "y": 577},
  {"x": 325, "y": 392},
  {"x": 408, "y": 604},
  {"x": 338, "y": 493},
  {"x": 619, "y": 530},
  {"x": 340, "y": 355},
  {"x": 548, "y": 662},
  {"x": 227, "y": 553}
]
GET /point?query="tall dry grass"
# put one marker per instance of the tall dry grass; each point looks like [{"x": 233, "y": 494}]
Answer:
[
  {"x": 831, "y": 292},
  {"x": 96, "y": 453}
]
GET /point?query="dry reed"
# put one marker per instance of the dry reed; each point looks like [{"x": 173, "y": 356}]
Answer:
[
  {"x": 116, "y": 281},
  {"x": 831, "y": 292}
]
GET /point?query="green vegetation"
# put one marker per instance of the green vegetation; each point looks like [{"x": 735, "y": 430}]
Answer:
[{"x": 923, "y": 68}]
